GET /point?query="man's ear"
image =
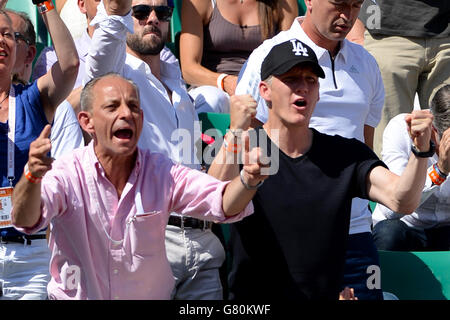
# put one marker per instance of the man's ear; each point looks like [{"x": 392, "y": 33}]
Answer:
[
  {"x": 435, "y": 136},
  {"x": 86, "y": 122},
  {"x": 31, "y": 54},
  {"x": 308, "y": 5},
  {"x": 82, "y": 6},
  {"x": 265, "y": 91}
]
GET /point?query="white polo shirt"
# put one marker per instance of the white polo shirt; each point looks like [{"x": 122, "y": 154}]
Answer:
[{"x": 351, "y": 96}]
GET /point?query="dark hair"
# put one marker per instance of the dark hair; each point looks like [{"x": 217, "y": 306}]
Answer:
[
  {"x": 440, "y": 108},
  {"x": 29, "y": 33},
  {"x": 269, "y": 18}
]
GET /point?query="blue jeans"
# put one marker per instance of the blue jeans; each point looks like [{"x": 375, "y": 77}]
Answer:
[
  {"x": 361, "y": 254},
  {"x": 395, "y": 235}
]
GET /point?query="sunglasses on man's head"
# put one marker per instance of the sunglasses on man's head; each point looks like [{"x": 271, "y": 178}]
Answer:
[{"x": 142, "y": 11}]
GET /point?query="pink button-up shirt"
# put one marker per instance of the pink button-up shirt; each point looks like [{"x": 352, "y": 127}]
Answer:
[{"x": 104, "y": 247}]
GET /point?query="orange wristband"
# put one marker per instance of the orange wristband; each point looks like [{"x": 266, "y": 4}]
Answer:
[
  {"x": 45, "y": 6},
  {"x": 435, "y": 175},
  {"x": 231, "y": 147},
  {"x": 220, "y": 80},
  {"x": 29, "y": 176}
]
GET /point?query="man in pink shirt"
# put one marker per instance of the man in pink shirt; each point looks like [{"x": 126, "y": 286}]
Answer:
[{"x": 109, "y": 203}]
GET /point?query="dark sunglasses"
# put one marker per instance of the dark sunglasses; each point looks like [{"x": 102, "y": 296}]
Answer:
[
  {"x": 20, "y": 36},
  {"x": 142, "y": 11}
]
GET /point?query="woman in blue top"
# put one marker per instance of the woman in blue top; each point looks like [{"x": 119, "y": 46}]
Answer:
[{"x": 24, "y": 112}]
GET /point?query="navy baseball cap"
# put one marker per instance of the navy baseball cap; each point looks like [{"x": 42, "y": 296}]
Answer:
[{"x": 287, "y": 55}]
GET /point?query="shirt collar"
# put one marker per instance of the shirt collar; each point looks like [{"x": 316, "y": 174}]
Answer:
[
  {"x": 84, "y": 44},
  {"x": 93, "y": 160}
]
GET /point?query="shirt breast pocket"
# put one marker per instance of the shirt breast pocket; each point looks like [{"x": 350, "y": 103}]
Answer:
[{"x": 147, "y": 234}]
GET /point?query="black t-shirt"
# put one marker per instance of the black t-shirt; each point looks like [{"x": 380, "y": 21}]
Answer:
[
  {"x": 293, "y": 245},
  {"x": 410, "y": 18}
]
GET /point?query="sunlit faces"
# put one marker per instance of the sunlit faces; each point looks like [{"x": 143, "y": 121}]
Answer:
[
  {"x": 149, "y": 34},
  {"x": 334, "y": 18},
  {"x": 292, "y": 96},
  {"x": 116, "y": 117},
  {"x": 7, "y": 46}
]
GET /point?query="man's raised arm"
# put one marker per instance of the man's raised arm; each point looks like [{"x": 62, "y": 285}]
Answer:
[{"x": 402, "y": 194}]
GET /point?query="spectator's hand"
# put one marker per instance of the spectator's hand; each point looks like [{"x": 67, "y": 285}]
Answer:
[
  {"x": 444, "y": 152},
  {"x": 253, "y": 163},
  {"x": 229, "y": 84},
  {"x": 347, "y": 294},
  {"x": 419, "y": 128},
  {"x": 242, "y": 110},
  {"x": 38, "y": 161}
]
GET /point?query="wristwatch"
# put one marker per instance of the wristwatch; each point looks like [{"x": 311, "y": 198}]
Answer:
[
  {"x": 38, "y": 1},
  {"x": 427, "y": 154}
]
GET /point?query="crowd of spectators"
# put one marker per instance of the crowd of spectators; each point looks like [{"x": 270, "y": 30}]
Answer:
[{"x": 106, "y": 191}]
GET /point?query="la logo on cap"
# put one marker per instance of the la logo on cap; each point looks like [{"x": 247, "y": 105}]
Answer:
[{"x": 298, "y": 49}]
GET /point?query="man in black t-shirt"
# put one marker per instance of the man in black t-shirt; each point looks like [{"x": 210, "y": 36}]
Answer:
[{"x": 293, "y": 246}]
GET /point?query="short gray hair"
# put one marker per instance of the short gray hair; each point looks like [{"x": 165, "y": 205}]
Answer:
[
  {"x": 29, "y": 33},
  {"x": 440, "y": 108},
  {"x": 87, "y": 96}
]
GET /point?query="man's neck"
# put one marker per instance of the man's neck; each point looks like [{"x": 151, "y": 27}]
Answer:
[
  {"x": 153, "y": 61},
  {"x": 311, "y": 31},
  {"x": 117, "y": 168},
  {"x": 293, "y": 140}
]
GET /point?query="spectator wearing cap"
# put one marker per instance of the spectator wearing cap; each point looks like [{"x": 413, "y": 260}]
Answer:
[
  {"x": 351, "y": 100},
  {"x": 293, "y": 246}
]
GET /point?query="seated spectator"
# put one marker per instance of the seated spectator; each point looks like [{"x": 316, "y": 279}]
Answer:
[
  {"x": 109, "y": 224},
  {"x": 293, "y": 246},
  {"x": 88, "y": 9},
  {"x": 24, "y": 112},
  {"x": 428, "y": 228},
  {"x": 216, "y": 39}
]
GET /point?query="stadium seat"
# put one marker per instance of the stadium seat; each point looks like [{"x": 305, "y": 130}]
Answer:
[
  {"x": 416, "y": 275},
  {"x": 301, "y": 7},
  {"x": 219, "y": 121},
  {"x": 175, "y": 29}
]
